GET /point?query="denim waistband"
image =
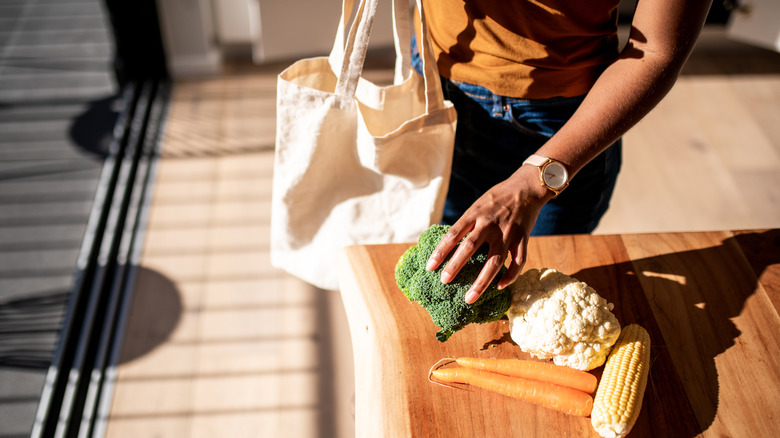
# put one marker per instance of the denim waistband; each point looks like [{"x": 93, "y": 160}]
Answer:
[{"x": 500, "y": 105}]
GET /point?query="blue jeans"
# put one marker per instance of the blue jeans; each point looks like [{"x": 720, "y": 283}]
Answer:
[{"x": 496, "y": 134}]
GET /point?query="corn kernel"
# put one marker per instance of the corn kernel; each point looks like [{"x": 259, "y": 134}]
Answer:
[{"x": 619, "y": 395}]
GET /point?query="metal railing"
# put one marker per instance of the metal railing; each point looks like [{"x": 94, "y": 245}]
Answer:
[{"x": 79, "y": 382}]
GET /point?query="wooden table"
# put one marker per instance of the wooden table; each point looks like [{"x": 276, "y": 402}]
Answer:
[{"x": 709, "y": 301}]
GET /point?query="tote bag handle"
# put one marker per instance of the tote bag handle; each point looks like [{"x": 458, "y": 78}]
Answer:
[
  {"x": 349, "y": 58},
  {"x": 433, "y": 94},
  {"x": 402, "y": 31}
]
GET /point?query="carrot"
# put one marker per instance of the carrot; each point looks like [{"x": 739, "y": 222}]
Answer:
[
  {"x": 534, "y": 370},
  {"x": 566, "y": 400}
]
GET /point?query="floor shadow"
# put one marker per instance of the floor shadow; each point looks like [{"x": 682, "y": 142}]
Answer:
[
  {"x": 716, "y": 53},
  {"x": 29, "y": 326},
  {"x": 93, "y": 130},
  {"x": 153, "y": 314},
  {"x": 696, "y": 304}
]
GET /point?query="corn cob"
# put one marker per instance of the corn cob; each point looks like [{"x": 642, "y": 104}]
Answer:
[{"x": 619, "y": 395}]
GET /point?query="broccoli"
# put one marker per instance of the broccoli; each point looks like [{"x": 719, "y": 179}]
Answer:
[{"x": 446, "y": 302}]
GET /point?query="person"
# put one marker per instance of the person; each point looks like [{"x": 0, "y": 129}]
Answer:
[{"x": 544, "y": 95}]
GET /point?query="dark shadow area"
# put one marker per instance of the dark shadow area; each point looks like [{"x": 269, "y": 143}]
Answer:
[
  {"x": 461, "y": 51},
  {"x": 138, "y": 49},
  {"x": 506, "y": 337},
  {"x": 682, "y": 281},
  {"x": 30, "y": 324},
  {"x": 327, "y": 400},
  {"x": 93, "y": 130},
  {"x": 697, "y": 308},
  {"x": 716, "y": 54},
  {"x": 31, "y": 328},
  {"x": 153, "y": 314}
]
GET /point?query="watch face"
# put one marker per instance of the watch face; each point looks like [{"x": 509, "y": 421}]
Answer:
[{"x": 554, "y": 175}]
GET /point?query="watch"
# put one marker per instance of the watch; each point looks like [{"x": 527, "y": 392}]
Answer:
[{"x": 552, "y": 173}]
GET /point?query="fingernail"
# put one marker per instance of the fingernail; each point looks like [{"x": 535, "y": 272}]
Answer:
[
  {"x": 446, "y": 277},
  {"x": 431, "y": 265},
  {"x": 471, "y": 296}
]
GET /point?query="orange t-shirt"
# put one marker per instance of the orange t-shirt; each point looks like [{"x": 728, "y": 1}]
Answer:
[{"x": 532, "y": 49}]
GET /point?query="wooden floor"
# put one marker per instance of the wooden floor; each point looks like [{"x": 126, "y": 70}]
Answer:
[
  {"x": 708, "y": 157},
  {"x": 218, "y": 343}
]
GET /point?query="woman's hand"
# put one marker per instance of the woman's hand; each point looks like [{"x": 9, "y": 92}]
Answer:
[
  {"x": 503, "y": 218},
  {"x": 662, "y": 36}
]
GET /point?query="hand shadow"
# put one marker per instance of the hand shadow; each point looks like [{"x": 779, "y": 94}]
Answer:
[{"x": 688, "y": 309}]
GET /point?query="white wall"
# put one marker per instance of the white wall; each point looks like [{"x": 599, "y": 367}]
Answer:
[
  {"x": 237, "y": 21},
  {"x": 757, "y": 22},
  {"x": 197, "y": 33},
  {"x": 187, "y": 28},
  {"x": 291, "y": 29}
]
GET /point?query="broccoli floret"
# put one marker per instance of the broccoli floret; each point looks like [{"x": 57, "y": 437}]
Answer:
[{"x": 446, "y": 302}]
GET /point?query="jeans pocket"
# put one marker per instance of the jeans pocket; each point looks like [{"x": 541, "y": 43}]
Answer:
[
  {"x": 523, "y": 127},
  {"x": 544, "y": 117}
]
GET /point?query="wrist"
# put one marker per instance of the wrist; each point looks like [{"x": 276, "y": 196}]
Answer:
[{"x": 528, "y": 183}]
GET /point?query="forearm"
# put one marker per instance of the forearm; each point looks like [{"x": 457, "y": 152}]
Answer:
[
  {"x": 662, "y": 37},
  {"x": 634, "y": 84},
  {"x": 623, "y": 95}
]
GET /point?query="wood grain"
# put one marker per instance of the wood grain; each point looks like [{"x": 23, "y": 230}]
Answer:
[
  {"x": 712, "y": 324},
  {"x": 714, "y": 316}
]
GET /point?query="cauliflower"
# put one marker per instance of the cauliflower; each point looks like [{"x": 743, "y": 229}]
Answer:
[{"x": 554, "y": 316}]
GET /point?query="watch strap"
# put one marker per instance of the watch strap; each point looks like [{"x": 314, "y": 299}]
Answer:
[{"x": 536, "y": 160}]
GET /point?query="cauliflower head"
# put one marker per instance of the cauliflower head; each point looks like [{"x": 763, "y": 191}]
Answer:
[{"x": 554, "y": 316}]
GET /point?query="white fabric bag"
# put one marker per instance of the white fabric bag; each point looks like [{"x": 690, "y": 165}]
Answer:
[{"x": 357, "y": 163}]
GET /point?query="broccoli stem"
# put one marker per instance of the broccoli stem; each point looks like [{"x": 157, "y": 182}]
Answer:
[{"x": 442, "y": 335}]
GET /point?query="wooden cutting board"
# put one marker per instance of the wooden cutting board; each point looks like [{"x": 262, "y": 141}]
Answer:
[{"x": 708, "y": 300}]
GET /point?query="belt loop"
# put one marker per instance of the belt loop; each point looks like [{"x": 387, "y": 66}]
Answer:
[{"x": 498, "y": 105}]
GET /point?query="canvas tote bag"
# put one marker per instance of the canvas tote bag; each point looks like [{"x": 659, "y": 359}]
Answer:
[{"x": 357, "y": 163}]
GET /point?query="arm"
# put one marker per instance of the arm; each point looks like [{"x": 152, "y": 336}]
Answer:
[{"x": 663, "y": 33}]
